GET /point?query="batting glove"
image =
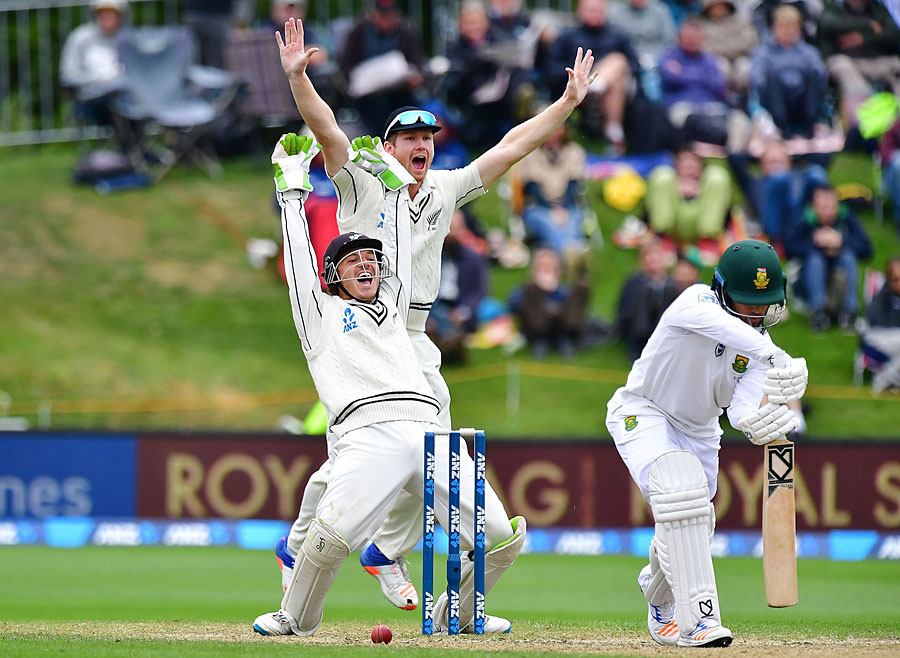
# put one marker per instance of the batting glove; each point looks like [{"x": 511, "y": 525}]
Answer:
[
  {"x": 368, "y": 154},
  {"x": 768, "y": 423},
  {"x": 291, "y": 159},
  {"x": 786, "y": 384}
]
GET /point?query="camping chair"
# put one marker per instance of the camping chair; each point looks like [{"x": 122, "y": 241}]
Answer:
[
  {"x": 251, "y": 56},
  {"x": 166, "y": 96}
]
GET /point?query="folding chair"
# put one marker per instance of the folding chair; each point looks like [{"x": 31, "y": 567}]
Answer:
[{"x": 167, "y": 96}]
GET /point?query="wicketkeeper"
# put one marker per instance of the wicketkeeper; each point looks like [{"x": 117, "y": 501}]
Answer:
[
  {"x": 710, "y": 350},
  {"x": 434, "y": 196},
  {"x": 379, "y": 405}
]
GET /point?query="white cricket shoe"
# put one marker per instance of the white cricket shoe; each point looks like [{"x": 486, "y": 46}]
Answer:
[
  {"x": 275, "y": 623},
  {"x": 707, "y": 635},
  {"x": 393, "y": 578},
  {"x": 493, "y": 625},
  {"x": 660, "y": 618}
]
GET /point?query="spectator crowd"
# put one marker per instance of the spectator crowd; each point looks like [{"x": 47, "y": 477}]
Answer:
[{"x": 748, "y": 95}]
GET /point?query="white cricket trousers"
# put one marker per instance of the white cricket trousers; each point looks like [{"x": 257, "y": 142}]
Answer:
[
  {"x": 642, "y": 433},
  {"x": 373, "y": 464},
  {"x": 402, "y": 529}
]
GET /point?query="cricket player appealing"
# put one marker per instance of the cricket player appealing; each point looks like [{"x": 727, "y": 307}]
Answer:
[
  {"x": 710, "y": 350},
  {"x": 379, "y": 404},
  {"x": 433, "y": 198}
]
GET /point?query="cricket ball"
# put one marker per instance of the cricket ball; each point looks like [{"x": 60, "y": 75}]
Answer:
[{"x": 381, "y": 634}]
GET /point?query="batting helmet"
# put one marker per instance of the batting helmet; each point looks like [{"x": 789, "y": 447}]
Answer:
[
  {"x": 343, "y": 245},
  {"x": 749, "y": 272}
]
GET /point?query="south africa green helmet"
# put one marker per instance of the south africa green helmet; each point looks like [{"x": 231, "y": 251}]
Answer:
[{"x": 749, "y": 272}]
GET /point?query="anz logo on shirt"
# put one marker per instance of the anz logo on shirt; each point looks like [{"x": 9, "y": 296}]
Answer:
[
  {"x": 381, "y": 223},
  {"x": 349, "y": 320}
]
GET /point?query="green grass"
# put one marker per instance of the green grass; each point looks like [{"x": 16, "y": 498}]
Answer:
[
  {"x": 141, "y": 601},
  {"x": 139, "y": 310}
]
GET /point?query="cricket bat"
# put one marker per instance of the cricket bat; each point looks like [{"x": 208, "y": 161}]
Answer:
[
  {"x": 779, "y": 519},
  {"x": 779, "y": 531}
]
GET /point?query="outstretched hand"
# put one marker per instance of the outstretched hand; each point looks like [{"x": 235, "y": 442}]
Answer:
[
  {"x": 291, "y": 160},
  {"x": 580, "y": 76},
  {"x": 294, "y": 57}
]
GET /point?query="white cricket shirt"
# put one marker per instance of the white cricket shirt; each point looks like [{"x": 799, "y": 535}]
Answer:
[{"x": 699, "y": 360}]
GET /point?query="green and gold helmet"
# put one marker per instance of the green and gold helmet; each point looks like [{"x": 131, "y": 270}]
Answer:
[{"x": 749, "y": 272}]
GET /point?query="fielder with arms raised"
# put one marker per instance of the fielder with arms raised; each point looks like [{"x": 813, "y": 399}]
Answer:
[
  {"x": 379, "y": 405},
  {"x": 710, "y": 350},
  {"x": 433, "y": 197}
]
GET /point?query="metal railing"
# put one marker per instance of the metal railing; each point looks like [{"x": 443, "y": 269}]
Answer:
[{"x": 35, "y": 109}]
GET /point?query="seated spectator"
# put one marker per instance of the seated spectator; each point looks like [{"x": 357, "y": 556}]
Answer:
[
  {"x": 690, "y": 202},
  {"x": 454, "y": 315},
  {"x": 890, "y": 167},
  {"x": 554, "y": 217},
  {"x": 788, "y": 77},
  {"x": 615, "y": 61},
  {"x": 777, "y": 195},
  {"x": 695, "y": 94},
  {"x": 644, "y": 297},
  {"x": 859, "y": 41},
  {"x": 732, "y": 38},
  {"x": 384, "y": 61},
  {"x": 829, "y": 241},
  {"x": 883, "y": 330},
  {"x": 647, "y": 24},
  {"x": 550, "y": 315},
  {"x": 762, "y": 14},
  {"x": 483, "y": 84},
  {"x": 89, "y": 64}
]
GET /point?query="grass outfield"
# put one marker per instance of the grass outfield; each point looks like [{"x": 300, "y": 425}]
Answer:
[{"x": 198, "y": 602}]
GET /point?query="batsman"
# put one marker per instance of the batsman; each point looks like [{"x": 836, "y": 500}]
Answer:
[{"x": 711, "y": 350}]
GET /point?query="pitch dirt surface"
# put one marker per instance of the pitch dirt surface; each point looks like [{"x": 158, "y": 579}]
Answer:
[{"x": 542, "y": 639}]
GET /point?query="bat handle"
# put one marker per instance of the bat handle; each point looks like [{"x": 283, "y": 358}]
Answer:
[{"x": 780, "y": 359}]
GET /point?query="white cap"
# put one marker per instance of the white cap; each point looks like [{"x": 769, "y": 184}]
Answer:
[{"x": 119, "y": 5}]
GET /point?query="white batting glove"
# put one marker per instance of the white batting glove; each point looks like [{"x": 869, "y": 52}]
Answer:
[
  {"x": 368, "y": 154},
  {"x": 290, "y": 160},
  {"x": 768, "y": 423},
  {"x": 786, "y": 384}
]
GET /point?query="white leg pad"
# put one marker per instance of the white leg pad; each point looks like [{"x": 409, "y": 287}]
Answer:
[
  {"x": 679, "y": 498},
  {"x": 317, "y": 564},
  {"x": 496, "y": 562}
]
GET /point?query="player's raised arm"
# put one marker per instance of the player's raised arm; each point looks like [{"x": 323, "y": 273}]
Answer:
[
  {"x": 290, "y": 161},
  {"x": 315, "y": 111},
  {"x": 527, "y": 136}
]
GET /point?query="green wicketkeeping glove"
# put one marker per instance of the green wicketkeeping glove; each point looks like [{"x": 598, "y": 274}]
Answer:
[
  {"x": 368, "y": 154},
  {"x": 291, "y": 159}
]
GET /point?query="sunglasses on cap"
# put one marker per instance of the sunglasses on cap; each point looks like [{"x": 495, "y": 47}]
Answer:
[{"x": 410, "y": 117}]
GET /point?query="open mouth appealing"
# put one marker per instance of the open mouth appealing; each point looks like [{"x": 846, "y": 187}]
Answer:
[{"x": 418, "y": 162}]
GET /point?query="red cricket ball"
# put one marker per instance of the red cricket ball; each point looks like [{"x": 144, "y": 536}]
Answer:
[{"x": 381, "y": 633}]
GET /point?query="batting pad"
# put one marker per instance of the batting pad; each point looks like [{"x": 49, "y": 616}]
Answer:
[
  {"x": 495, "y": 563},
  {"x": 679, "y": 498},
  {"x": 317, "y": 565}
]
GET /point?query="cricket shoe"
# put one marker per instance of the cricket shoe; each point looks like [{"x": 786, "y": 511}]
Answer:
[
  {"x": 660, "y": 618},
  {"x": 493, "y": 625},
  {"x": 275, "y": 623},
  {"x": 392, "y": 576},
  {"x": 707, "y": 634},
  {"x": 285, "y": 563}
]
